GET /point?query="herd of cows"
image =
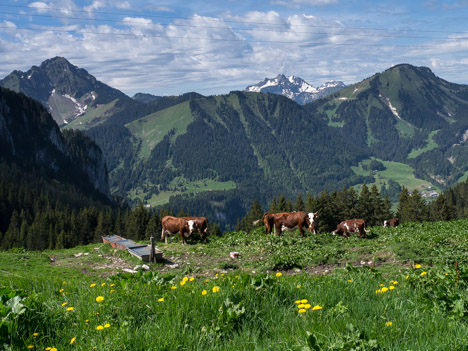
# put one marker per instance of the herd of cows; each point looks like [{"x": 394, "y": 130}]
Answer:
[{"x": 278, "y": 222}]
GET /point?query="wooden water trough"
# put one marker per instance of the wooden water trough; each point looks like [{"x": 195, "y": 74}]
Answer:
[{"x": 141, "y": 251}]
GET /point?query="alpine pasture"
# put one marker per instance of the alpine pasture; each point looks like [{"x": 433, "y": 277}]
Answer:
[{"x": 403, "y": 288}]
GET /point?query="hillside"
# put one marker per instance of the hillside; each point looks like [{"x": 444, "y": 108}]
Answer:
[
  {"x": 214, "y": 155},
  {"x": 402, "y": 288},
  {"x": 40, "y": 166}
]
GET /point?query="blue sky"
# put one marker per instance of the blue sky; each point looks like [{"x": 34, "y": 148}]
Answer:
[{"x": 213, "y": 47}]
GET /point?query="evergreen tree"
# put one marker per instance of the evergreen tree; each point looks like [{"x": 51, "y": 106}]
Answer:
[
  {"x": 153, "y": 228},
  {"x": 365, "y": 206},
  {"x": 403, "y": 203},
  {"x": 442, "y": 210},
  {"x": 282, "y": 205},
  {"x": 299, "y": 205}
]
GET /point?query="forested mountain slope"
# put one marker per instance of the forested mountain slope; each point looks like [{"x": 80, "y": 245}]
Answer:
[{"x": 41, "y": 167}]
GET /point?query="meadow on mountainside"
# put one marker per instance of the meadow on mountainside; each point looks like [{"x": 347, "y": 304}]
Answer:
[{"x": 402, "y": 288}]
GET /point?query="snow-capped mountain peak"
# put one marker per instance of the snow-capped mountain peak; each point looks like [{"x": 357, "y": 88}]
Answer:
[{"x": 295, "y": 88}]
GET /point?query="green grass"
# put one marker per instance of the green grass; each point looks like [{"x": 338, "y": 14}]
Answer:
[
  {"x": 188, "y": 188},
  {"x": 92, "y": 117},
  {"x": 212, "y": 302},
  {"x": 399, "y": 172},
  {"x": 151, "y": 129},
  {"x": 431, "y": 144}
]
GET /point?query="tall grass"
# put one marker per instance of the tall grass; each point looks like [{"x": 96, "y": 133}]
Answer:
[{"x": 149, "y": 311}]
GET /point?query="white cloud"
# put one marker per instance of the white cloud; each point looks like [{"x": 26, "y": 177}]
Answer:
[{"x": 41, "y": 7}]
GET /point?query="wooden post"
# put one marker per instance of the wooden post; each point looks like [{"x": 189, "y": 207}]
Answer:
[{"x": 152, "y": 256}]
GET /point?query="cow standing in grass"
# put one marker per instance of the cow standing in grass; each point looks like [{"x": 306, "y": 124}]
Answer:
[
  {"x": 185, "y": 226},
  {"x": 291, "y": 220},
  {"x": 199, "y": 224},
  {"x": 351, "y": 226},
  {"x": 391, "y": 222}
]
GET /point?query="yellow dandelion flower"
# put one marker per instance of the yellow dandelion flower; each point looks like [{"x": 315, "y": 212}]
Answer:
[
  {"x": 112, "y": 290},
  {"x": 204, "y": 292},
  {"x": 107, "y": 325},
  {"x": 173, "y": 287},
  {"x": 48, "y": 348},
  {"x": 97, "y": 313},
  {"x": 316, "y": 307},
  {"x": 192, "y": 279},
  {"x": 30, "y": 346},
  {"x": 99, "y": 299},
  {"x": 417, "y": 266},
  {"x": 301, "y": 306},
  {"x": 298, "y": 286},
  {"x": 216, "y": 274},
  {"x": 103, "y": 284},
  {"x": 395, "y": 282},
  {"x": 69, "y": 309},
  {"x": 182, "y": 283},
  {"x": 381, "y": 285},
  {"x": 92, "y": 285},
  {"x": 112, "y": 285},
  {"x": 279, "y": 274},
  {"x": 215, "y": 289},
  {"x": 65, "y": 303},
  {"x": 185, "y": 279},
  {"x": 407, "y": 276},
  {"x": 64, "y": 282},
  {"x": 161, "y": 299},
  {"x": 35, "y": 334},
  {"x": 302, "y": 310},
  {"x": 99, "y": 327},
  {"x": 87, "y": 321},
  {"x": 378, "y": 291},
  {"x": 349, "y": 280},
  {"x": 384, "y": 289},
  {"x": 304, "y": 301},
  {"x": 391, "y": 287},
  {"x": 53, "y": 349},
  {"x": 388, "y": 324},
  {"x": 446, "y": 273},
  {"x": 72, "y": 340},
  {"x": 307, "y": 306},
  {"x": 297, "y": 302},
  {"x": 61, "y": 290},
  {"x": 423, "y": 273}
]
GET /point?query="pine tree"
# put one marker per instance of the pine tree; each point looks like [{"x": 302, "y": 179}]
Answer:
[{"x": 299, "y": 205}]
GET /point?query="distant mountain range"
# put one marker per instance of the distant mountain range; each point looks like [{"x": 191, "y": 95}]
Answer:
[
  {"x": 295, "y": 88},
  {"x": 214, "y": 155}
]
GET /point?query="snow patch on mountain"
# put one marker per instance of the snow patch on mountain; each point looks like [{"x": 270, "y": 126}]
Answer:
[{"x": 295, "y": 88}]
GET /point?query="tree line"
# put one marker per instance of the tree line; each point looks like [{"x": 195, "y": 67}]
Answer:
[{"x": 41, "y": 223}]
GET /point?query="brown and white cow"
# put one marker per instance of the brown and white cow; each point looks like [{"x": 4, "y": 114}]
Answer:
[
  {"x": 391, "y": 222},
  {"x": 199, "y": 224},
  {"x": 291, "y": 220},
  {"x": 185, "y": 226},
  {"x": 351, "y": 226}
]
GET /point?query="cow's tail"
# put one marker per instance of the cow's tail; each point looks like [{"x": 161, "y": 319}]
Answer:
[{"x": 258, "y": 220}]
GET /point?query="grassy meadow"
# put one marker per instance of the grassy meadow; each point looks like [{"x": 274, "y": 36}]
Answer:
[{"x": 402, "y": 288}]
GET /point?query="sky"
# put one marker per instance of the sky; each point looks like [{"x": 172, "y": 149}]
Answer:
[{"x": 214, "y": 47}]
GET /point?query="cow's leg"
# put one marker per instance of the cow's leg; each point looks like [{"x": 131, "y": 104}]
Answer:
[
  {"x": 181, "y": 232},
  {"x": 301, "y": 230},
  {"x": 163, "y": 235}
]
